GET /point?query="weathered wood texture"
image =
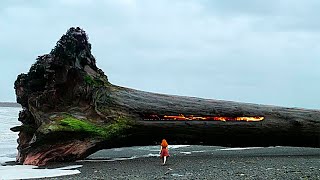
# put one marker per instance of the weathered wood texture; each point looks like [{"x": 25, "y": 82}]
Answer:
[{"x": 281, "y": 126}]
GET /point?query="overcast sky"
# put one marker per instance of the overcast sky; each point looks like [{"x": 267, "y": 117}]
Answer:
[{"x": 264, "y": 52}]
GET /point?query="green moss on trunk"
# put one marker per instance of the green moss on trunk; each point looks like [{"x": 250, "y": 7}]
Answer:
[
  {"x": 96, "y": 82},
  {"x": 71, "y": 124}
]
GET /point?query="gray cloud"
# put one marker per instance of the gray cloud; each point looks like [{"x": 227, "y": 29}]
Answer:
[{"x": 247, "y": 51}]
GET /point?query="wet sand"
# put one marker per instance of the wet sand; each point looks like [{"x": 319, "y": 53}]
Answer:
[{"x": 201, "y": 162}]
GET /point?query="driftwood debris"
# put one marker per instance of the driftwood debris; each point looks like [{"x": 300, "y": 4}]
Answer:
[{"x": 70, "y": 110}]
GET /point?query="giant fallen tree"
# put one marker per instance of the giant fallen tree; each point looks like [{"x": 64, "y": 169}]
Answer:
[{"x": 70, "y": 110}]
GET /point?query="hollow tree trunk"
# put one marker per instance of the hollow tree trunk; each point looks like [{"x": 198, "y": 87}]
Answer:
[
  {"x": 70, "y": 110},
  {"x": 280, "y": 126}
]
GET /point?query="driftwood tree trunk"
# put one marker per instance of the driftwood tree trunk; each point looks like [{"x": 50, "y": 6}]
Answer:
[
  {"x": 280, "y": 126},
  {"x": 71, "y": 111}
]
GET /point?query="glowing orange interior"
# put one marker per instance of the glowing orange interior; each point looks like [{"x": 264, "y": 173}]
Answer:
[{"x": 182, "y": 117}]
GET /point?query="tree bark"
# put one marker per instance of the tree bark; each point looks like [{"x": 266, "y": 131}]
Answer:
[{"x": 280, "y": 127}]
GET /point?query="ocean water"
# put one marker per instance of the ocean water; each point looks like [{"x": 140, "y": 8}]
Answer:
[
  {"x": 8, "y": 139},
  {"x": 8, "y": 151}
]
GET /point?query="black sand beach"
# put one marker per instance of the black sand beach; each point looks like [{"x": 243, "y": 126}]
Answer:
[{"x": 201, "y": 162}]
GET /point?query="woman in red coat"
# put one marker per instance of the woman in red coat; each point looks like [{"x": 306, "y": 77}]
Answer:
[{"x": 164, "y": 152}]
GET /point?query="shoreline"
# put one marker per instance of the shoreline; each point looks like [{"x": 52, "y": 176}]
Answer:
[
  {"x": 9, "y": 104},
  {"x": 199, "y": 162}
]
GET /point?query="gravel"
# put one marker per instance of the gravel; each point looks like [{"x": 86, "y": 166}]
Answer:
[{"x": 203, "y": 162}]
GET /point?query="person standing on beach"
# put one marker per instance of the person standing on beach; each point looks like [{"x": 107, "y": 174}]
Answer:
[{"x": 164, "y": 152}]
